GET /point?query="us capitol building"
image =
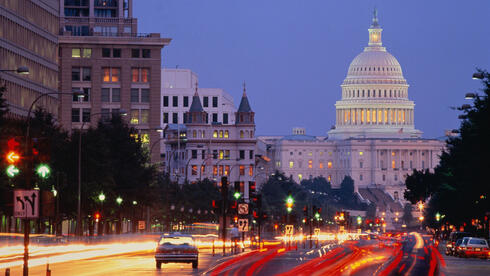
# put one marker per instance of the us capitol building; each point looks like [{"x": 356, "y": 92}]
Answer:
[{"x": 374, "y": 139}]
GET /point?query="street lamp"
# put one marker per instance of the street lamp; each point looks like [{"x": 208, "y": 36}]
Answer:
[
  {"x": 101, "y": 197},
  {"x": 22, "y": 70},
  {"x": 78, "y": 229},
  {"x": 119, "y": 200},
  {"x": 135, "y": 202}
]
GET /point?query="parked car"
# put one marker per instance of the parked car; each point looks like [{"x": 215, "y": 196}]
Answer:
[
  {"x": 451, "y": 241},
  {"x": 474, "y": 247},
  {"x": 176, "y": 248}
]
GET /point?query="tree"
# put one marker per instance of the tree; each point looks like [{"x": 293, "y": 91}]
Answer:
[
  {"x": 458, "y": 187},
  {"x": 420, "y": 184},
  {"x": 407, "y": 214},
  {"x": 347, "y": 189}
]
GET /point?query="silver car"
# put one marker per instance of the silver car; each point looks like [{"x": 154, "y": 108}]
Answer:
[{"x": 176, "y": 248}]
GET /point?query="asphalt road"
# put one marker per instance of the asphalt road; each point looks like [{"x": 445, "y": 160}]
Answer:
[
  {"x": 122, "y": 265},
  {"x": 464, "y": 266}
]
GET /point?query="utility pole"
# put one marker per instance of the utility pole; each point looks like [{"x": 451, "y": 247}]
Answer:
[{"x": 224, "y": 195}]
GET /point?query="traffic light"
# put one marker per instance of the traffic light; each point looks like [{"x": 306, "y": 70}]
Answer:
[
  {"x": 97, "y": 216},
  {"x": 12, "y": 157},
  {"x": 438, "y": 216},
  {"x": 317, "y": 213},
  {"x": 237, "y": 193},
  {"x": 359, "y": 220},
  {"x": 251, "y": 189},
  {"x": 305, "y": 211},
  {"x": 289, "y": 202},
  {"x": 12, "y": 171},
  {"x": 43, "y": 171}
]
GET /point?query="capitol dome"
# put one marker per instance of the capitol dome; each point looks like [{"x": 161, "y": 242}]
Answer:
[{"x": 374, "y": 100}]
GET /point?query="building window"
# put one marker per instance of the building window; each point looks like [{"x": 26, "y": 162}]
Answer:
[
  {"x": 396, "y": 177},
  {"x": 215, "y": 118},
  {"x": 423, "y": 164},
  {"x": 411, "y": 164},
  {"x": 393, "y": 164},
  {"x": 402, "y": 164},
  {"x": 75, "y": 73},
  {"x": 291, "y": 164},
  {"x": 251, "y": 170},
  {"x": 175, "y": 118},
  {"x": 360, "y": 177},
  {"x": 227, "y": 154},
  {"x": 105, "y": 114},
  {"x": 106, "y": 52},
  {"x": 104, "y": 95},
  {"x": 310, "y": 164},
  {"x": 384, "y": 177},
  {"x": 329, "y": 164},
  {"x": 194, "y": 169},
  {"x": 116, "y": 95},
  {"x": 221, "y": 154},
  {"x": 215, "y": 101},
  {"x": 329, "y": 178},
  {"x": 241, "y": 134},
  {"x": 145, "y": 95},
  {"x": 300, "y": 177},
  {"x": 194, "y": 154},
  {"x": 116, "y": 53},
  {"x": 75, "y": 53},
  {"x": 86, "y": 115},
  {"x": 360, "y": 165},
  {"x": 110, "y": 74},
  {"x": 135, "y": 53},
  {"x": 361, "y": 153},
  {"x": 134, "y": 95},
  {"x": 186, "y": 101},
  {"x": 86, "y": 74},
  {"x": 146, "y": 53},
  {"x": 134, "y": 75},
  {"x": 86, "y": 94},
  {"x": 227, "y": 134},
  {"x": 175, "y": 101},
  {"x": 242, "y": 170},
  {"x": 165, "y": 101},
  {"x": 242, "y": 154},
  {"x": 320, "y": 165},
  {"x": 165, "y": 118},
  {"x": 134, "y": 116},
  {"x": 145, "y": 114},
  {"x": 205, "y": 101},
  {"x": 225, "y": 118},
  {"x": 75, "y": 115},
  {"x": 251, "y": 155}
]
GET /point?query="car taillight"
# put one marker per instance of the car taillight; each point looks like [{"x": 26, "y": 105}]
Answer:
[{"x": 469, "y": 248}]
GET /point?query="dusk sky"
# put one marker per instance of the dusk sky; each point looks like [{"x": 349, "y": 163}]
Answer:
[{"x": 294, "y": 54}]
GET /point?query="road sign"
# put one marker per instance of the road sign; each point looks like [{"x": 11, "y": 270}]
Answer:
[
  {"x": 243, "y": 225},
  {"x": 317, "y": 231},
  {"x": 26, "y": 203},
  {"x": 359, "y": 231},
  {"x": 141, "y": 225},
  {"x": 243, "y": 209},
  {"x": 289, "y": 230}
]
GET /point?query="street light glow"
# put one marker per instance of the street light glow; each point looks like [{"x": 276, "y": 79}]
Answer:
[
  {"x": 101, "y": 197},
  {"x": 119, "y": 200}
]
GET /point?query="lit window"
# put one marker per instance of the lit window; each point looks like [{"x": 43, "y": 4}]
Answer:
[
  {"x": 220, "y": 134},
  {"x": 310, "y": 164},
  {"x": 227, "y": 154},
  {"x": 361, "y": 153},
  {"x": 144, "y": 75},
  {"x": 226, "y": 134},
  {"x": 321, "y": 165},
  {"x": 194, "y": 134},
  {"x": 134, "y": 116},
  {"x": 194, "y": 169},
  {"x": 106, "y": 75},
  {"x": 291, "y": 164},
  {"x": 227, "y": 170},
  {"x": 300, "y": 177},
  {"x": 241, "y": 134},
  {"x": 145, "y": 138},
  {"x": 86, "y": 53},
  {"x": 134, "y": 75},
  {"x": 329, "y": 164},
  {"x": 145, "y": 114},
  {"x": 115, "y": 74},
  {"x": 215, "y": 134},
  {"x": 251, "y": 170},
  {"x": 221, "y": 154},
  {"x": 392, "y": 153},
  {"x": 329, "y": 178},
  {"x": 215, "y": 170},
  {"x": 75, "y": 53},
  {"x": 310, "y": 153},
  {"x": 393, "y": 164},
  {"x": 242, "y": 170}
]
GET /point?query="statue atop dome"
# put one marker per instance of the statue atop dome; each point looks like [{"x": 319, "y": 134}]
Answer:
[{"x": 375, "y": 19}]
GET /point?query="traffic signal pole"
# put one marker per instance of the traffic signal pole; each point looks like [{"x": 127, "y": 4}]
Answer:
[{"x": 224, "y": 195}]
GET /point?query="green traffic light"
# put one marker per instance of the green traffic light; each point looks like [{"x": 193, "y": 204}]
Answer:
[
  {"x": 43, "y": 171},
  {"x": 12, "y": 171},
  {"x": 290, "y": 200},
  {"x": 317, "y": 215},
  {"x": 236, "y": 195}
]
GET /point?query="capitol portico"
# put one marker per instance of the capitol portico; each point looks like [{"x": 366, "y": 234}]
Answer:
[{"x": 374, "y": 139}]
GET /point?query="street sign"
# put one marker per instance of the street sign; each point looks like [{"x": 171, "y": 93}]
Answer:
[
  {"x": 243, "y": 209},
  {"x": 141, "y": 225},
  {"x": 317, "y": 231},
  {"x": 26, "y": 203},
  {"x": 243, "y": 225},
  {"x": 289, "y": 230}
]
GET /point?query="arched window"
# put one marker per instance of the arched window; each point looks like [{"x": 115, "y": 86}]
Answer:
[
  {"x": 227, "y": 134},
  {"x": 194, "y": 134},
  {"x": 241, "y": 134}
]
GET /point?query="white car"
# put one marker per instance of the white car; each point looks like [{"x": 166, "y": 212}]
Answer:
[
  {"x": 176, "y": 248},
  {"x": 477, "y": 247}
]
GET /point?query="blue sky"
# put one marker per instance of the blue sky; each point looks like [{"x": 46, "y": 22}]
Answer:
[{"x": 294, "y": 54}]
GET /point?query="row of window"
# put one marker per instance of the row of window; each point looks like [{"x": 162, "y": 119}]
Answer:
[
  {"x": 321, "y": 164},
  {"x": 185, "y": 102},
  {"x": 310, "y": 153},
  {"x": 108, "y": 52},
  {"x": 223, "y": 170},
  {"x": 137, "y": 116},
  {"x": 175, "y": 118},
  {"x": 367, "y": 94},
  {"x": 110, "y": 74},
  {"x": 138, "y": 95}
]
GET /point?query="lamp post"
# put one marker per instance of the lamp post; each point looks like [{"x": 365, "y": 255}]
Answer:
[
  {"x": 101, "y": 198},
  {"x": 28, "y": 164},
  {"x": 22, "y": 70},
  {"x": 78, "y": 229}
]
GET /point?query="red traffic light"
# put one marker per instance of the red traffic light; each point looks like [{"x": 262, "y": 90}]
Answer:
[
  {"x": 255, "y": 214},
  {"x": 12, "y": 144},
  {"x": 97, "y": 217}
]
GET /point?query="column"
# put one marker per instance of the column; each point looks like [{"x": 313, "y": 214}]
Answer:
[{"x": 91, "y": 8}]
